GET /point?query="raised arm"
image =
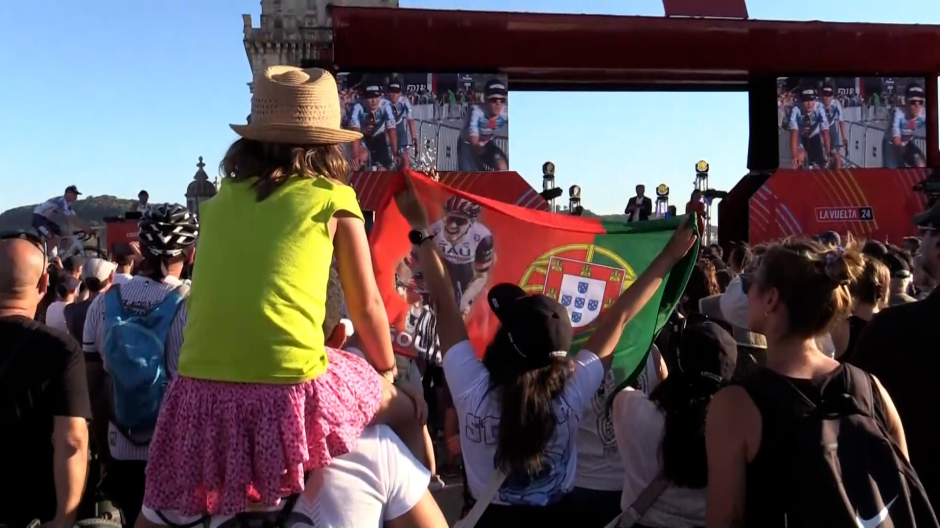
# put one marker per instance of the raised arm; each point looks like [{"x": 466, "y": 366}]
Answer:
[
  {"x": 606, "y": 337},
  {"x": 450, "y": 326}
]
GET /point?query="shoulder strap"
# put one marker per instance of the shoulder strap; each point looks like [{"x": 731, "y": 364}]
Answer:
[
  {"x": 164, "y": 312},
  {"x": 113, "y": 305},
  {"x": 492, "y": 488},
  {"x": 642, "y": 504}
]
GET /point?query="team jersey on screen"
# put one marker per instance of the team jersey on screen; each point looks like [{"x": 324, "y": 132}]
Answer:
[
  {"x": 834, "y": 113},
  {"x": 480, "y": 125},
  {"x": 403, "y": 112},
  {"x": 809, "y": 124},
  {"x": 470, "y": 254},
  {"x": 381, "y": 120},
  {"x": 903, "y": 127},
  {"x": 54, "y": 206}
]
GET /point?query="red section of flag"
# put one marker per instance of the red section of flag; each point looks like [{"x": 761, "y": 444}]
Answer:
[
  {"x": 520, "y": 239},
  {"x": 709, "y": 8}
]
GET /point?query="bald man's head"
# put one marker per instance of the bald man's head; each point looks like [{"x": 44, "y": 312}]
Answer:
[{"x": 21, "y": 270}]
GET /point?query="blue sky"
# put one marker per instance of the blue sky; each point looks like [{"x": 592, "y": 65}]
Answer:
[{"x": 116, "y": 96}]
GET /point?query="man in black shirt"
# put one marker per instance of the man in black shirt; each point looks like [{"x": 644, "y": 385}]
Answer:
[
  {"x": 44, "y": 404},
  {"x": 900, "y": 346}
]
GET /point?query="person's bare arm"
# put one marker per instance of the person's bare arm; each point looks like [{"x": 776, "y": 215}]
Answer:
[
  {"x": 363, "y": 300},
  {"x": 606, "y": 337},
  {"x": 895, "y": 429},
  {"x": 450, "y": 326},
  {"x": 726, "y": 448},
  {"x": 425, "y": 514},
  {"x": 70, "y": 466},
  {"x": 661, "y": 370}
]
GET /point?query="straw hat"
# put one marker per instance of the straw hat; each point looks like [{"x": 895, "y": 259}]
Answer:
[{"x": 295, "y": 106}]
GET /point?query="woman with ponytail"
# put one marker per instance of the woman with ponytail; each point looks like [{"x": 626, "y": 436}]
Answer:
[{"x": 661, "y": 437}]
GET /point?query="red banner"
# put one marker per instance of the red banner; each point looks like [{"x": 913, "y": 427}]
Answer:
[{"x": 869, "y": 203}]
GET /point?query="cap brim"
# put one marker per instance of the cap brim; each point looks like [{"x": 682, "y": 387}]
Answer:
[
  {"x": 296, "y": 134},
  {"x": 502, "y": 296}
]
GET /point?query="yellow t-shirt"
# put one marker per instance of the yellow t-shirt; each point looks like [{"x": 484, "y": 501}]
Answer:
[{"x": 258, "y": 297}]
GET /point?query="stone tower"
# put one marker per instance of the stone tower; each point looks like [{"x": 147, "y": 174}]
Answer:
[{"x": 293, "y": 31}]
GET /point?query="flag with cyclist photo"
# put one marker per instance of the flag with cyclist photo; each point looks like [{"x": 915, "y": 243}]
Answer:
[{"x": 583, "y": 263}]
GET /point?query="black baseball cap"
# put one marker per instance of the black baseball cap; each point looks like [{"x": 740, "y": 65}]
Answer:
[
  {"x": 828, "y": 91},
  {"x": 495, "y": 87},
  {"x": 914, "y": 92},
  {"x": 808, "y": 94},
  {"x": 929, "y": 219},
  {"x": 372, "y": 90},
  {"x": 897, "y": 265},
  {"x": 707, "y": 350},
  {"x": 394, "y": 85},
  {"x": 72, "y": 189},
  {"x": 538, "y": 327}
]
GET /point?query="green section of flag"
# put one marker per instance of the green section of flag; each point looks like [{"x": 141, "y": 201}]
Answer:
[{"x": 637, "y": 244}]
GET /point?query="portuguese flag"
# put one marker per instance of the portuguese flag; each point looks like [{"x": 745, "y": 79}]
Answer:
[{"x": 583, "y": 263}]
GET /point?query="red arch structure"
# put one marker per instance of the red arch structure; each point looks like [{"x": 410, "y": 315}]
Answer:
[{"x": 596, "y": 52}]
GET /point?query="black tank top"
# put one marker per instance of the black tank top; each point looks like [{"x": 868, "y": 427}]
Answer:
[{"x": 767, "y": 478}]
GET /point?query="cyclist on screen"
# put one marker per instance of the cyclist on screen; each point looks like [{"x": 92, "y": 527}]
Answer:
[
  {"x": 46, "y": 216},
  {"x": 834, "y": 114},
  {"x": 809, "y": 132},
  {"x": 404, "y": 122},
  {"x": 477, "y": 151},
  {"x": 374, "y": 118},
  {"x": 899, "y": 148}
]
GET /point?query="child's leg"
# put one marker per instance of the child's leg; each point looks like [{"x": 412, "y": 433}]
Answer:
[{"x": 397, "y": 410}]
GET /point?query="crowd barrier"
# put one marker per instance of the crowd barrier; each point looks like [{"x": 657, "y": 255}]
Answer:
[{"x": 446, "y": 138}]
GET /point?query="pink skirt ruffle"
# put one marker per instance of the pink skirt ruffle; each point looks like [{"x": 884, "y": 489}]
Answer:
[{"x": 219, "y": 444}]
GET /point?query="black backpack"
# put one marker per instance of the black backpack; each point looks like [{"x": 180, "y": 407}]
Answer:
[{"x": 831, "y": 463}]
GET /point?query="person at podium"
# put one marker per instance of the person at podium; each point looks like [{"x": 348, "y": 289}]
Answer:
[{"x": 639, "y": 208}]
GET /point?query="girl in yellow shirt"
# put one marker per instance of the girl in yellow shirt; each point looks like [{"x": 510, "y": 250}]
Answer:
[{"x": 259, "y": 399}]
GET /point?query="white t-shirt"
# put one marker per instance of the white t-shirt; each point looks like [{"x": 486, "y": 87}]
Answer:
[
  {"x": 55, "y": 316},
  {"x": 122, "y": 278},
  {"x": 378, "y": 481},
  {"x": 600, "y": 466},
  {"x": 478, "y": 411},
  {"x": 639, "y": 425}
]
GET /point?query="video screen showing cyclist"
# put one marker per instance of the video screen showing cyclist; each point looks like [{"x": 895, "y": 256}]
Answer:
[
  {"x": 374, "y": 118},
  {"x": 47, "y": 215},
  {"x": 477, "y": 151},
  {"x": 904, "y": 123},
  {"x": 809, "y": 132},
  {"x": 404, "y": 123},
  {"x": 837, "y": 135}
]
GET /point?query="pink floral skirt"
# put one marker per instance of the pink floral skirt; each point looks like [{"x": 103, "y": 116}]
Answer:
[{"x": 218, "y": 445}]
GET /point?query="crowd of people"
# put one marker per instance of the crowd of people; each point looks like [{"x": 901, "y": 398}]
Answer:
[{"x": 253, "y": 382}]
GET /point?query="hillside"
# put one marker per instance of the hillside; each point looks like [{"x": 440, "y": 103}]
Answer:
[{"x": 92, "y": 210}]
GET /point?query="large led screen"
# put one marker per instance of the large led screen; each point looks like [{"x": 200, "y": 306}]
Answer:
[
  {"x": 851, "y": 122},
  {"x": 451, "y": 122}
]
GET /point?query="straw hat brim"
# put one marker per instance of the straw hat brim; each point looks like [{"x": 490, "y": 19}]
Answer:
[{"x": 295, "y": 134}]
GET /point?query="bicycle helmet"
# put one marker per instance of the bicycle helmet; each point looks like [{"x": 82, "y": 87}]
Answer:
[
  {"x": 462, "y": 206},
  {"x": 167, "y": 229}
]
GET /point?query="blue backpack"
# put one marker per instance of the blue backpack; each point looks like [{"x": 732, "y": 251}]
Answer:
[{"x": 134, "y": 352}]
